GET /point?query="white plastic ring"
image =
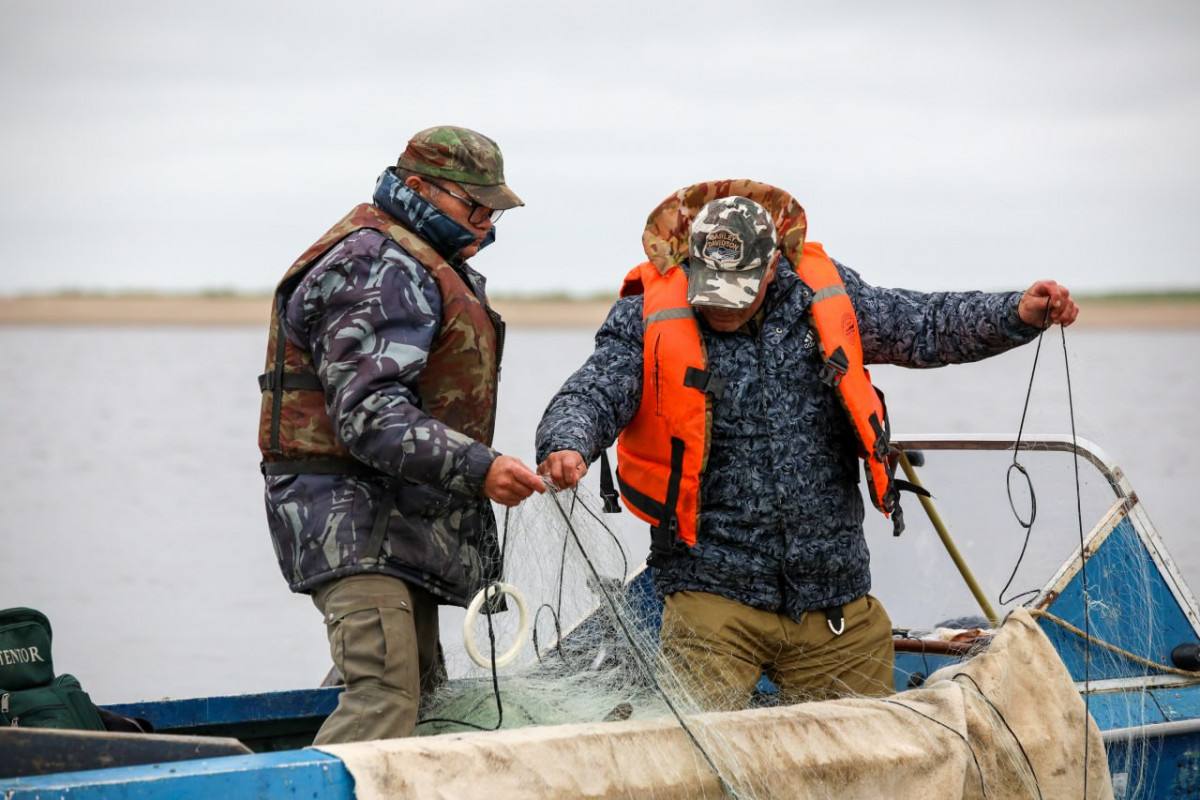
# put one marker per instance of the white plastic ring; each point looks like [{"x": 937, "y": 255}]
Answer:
[{"x": 487, "y": 593}]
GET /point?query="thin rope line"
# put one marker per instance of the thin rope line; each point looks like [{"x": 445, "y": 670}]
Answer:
[
  {"x": 487, "y": 610},
  {"x": 1036, "y": 784},
  {"x": 1087, "y": 615},
  {"x": 725, "y": 786},
  {"x": 959, "y": 734},
  {"x": 1112, "y": 648},
  {"x": 1020, "y": 468},
  {"x": 1028, "y": 526}
]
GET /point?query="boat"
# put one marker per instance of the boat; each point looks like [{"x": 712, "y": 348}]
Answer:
[{"x": 1132, "y": 657}]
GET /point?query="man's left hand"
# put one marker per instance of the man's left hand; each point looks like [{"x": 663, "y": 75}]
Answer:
[{"x": 1032, "y": 309}]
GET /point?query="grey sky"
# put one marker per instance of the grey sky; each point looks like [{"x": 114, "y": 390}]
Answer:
[{"x": 956, "y": 145}]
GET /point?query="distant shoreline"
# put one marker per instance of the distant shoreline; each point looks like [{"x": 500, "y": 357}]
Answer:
[
  {"x": 241, "y": 310},
  {"x": 253, "y": 310}
]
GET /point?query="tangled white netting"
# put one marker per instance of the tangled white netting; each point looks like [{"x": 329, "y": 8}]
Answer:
[
  {"x": 590, "y": 649},
  {"x": 591, "y": 652}
]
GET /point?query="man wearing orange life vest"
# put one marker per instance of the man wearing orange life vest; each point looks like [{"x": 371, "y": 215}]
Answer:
[{"x": 732, "y": 370}]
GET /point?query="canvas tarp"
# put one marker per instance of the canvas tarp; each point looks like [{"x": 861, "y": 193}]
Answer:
[{"x": 944, "y": 740}]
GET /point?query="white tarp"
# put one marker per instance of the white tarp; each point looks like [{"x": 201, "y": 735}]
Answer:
[{"x": 941, "y": 741}]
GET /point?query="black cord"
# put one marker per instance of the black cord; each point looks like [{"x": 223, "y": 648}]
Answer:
[
  {"x": 959, "y": 734},
  {"x": 556, "y": 613},
  {"x": 611, "y": 535},
  {"x": 1037, "y": 785},
  {"x": 557, "y": 632},
  {"x": 725, "y": 786},
  {"x": 562, "y": 569},
  {"x": 1018, "y": 467},
  {"x": 1087, "y": 628},
  {"x": 1028, "y": 526},
  {"x": 487, "y": 610}
]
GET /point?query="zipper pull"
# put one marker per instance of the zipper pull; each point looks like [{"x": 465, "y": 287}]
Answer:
[{"x": 4, "y": 706}]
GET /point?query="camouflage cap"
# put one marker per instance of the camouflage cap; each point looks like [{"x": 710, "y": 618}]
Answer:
[
  {"x": 465, "y": 157},
  {"x": 731, "y": 244}
]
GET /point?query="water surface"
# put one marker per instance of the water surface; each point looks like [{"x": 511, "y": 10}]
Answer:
[{"x": 133, "y": 515}]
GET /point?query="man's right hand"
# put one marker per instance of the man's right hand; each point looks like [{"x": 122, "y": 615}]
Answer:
[
  {"x": 564, "y": 467},
  {"x": 508, "y": 481}
]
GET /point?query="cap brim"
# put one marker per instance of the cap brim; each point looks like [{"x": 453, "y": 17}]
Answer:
[
  {"x": 722, "y": 288},
  {"x": 498, "y": 197}
]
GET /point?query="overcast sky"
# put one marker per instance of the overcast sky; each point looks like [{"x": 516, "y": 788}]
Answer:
[{"x": 934, "y": 145}]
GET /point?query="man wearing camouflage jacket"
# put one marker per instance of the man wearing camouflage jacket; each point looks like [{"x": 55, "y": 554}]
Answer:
[
  {"x": 778, "y": 576},
  {"x": 379, "y": 403}
]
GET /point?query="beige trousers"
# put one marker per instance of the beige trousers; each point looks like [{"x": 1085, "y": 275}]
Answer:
[
  {"x": 383, "y": 637},
  {"x": 720, "y": 647}
]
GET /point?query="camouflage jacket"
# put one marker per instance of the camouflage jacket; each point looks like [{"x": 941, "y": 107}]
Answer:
[
  {"x": 369, "y": 313},
  {"x": 781, "y": 510}
]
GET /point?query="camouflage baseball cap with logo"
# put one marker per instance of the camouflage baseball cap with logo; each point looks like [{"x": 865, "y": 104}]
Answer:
[
  {"x": 465, "y": 157},
  {"x": 731, "y": 246}
]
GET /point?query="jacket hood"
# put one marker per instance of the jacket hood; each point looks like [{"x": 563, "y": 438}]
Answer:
[
  {"x": 665, "y": 238},
  {"x": 423, "y": 218}
]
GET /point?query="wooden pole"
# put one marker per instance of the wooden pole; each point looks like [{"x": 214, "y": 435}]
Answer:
[{"x": 944, "y": 534}]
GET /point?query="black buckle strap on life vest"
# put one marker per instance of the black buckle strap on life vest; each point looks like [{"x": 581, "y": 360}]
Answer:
[
  {"x": 290, "y": 382},
  {"x": 835, "y": 618},
  {"x": 882, "y": 435},
  {"x": 677, "y": 448},
  {"x": 904, "y": 486},
  {"x": 835, "y": 368},
  {"x": 664, "y": 512},
  {"x": 642, "y": 502},
  {"x": 897, "y": 518},
  {"x": 664, "y": 545},
  {"x": 277, "y": 370},
  {"x": 608, "y": 492},
  {"x": 704, "y": 380},
  {"x": 901, "y": 485}
]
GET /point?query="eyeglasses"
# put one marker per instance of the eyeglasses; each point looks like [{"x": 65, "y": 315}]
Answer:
[{"x": 478, "y": 212}]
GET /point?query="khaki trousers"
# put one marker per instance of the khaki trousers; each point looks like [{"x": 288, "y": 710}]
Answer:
[
  {"x": 383, "y": 637},
  {"x": 720, "y": 648}
]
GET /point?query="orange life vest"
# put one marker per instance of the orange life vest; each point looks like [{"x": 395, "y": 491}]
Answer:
[{"x": 663, "y": 452}]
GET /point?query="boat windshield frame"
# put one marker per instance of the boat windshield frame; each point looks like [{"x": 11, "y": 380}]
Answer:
[{"x": 1126, "y": 504}]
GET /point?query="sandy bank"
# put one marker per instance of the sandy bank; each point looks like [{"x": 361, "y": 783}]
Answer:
[
  {"x": 156, "y": 310},
  {"x": 136, "y": 310}
]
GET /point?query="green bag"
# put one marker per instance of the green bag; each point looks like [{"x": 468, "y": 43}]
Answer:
[
  {"x": 30, "y": 695},
  {"x": 62, "y": 704}
]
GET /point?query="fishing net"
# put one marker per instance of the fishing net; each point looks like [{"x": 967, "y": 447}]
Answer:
[
  {"x": 1057, "y": 546},
  {"x": 1050, "y": 540},
  {"x": 588, "y": 648},
  {"x": 589, "y": 652},
  {"x": 1113, "y": 620},
  {"x": 956, "y": 738}
]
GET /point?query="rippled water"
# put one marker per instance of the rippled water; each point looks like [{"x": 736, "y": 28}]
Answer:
[{"x": 132, "y": 511}]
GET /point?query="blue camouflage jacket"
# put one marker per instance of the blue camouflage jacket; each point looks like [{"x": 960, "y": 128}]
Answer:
[
  {"x": 369, "y": 313},
  {"x": 781, "y": 509}
]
